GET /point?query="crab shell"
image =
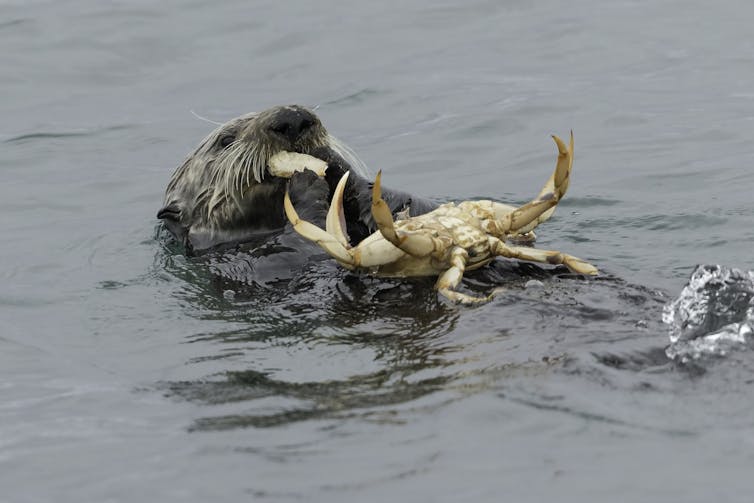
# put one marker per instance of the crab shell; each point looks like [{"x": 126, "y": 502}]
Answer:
[{"x": 447, "y": 241}]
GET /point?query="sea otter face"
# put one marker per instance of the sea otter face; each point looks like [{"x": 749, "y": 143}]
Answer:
[
  {"x": 223, "y": 191},
  {"x": 243, "y": 146}
]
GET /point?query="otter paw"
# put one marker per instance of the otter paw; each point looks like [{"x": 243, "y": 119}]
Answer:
[{"x": 310, "y": 195}]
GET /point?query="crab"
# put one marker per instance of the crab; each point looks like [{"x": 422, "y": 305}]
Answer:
[{"x": 446, "y": 242}]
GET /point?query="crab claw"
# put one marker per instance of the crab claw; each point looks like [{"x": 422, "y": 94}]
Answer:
[
  {"x": 371, "y": 252},
  {"x": 332, "y": 244},
  {"x": 560, "y": 178},
  {"x": 335, "y": 223},
  {"x": 416, "y": 244},
  {"x": 381, "y": 213},
  {"x": 525, "y": 218}
]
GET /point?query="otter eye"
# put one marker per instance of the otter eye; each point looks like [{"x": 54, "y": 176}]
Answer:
[
  {"x": 226, "y": 140},
  {"x": 281, "y": 129}
]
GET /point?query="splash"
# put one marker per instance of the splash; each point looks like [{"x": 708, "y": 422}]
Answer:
[{"x": 713, "y": 314}]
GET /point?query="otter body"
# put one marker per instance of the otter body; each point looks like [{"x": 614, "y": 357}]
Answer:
[{"x": 223, "y": 194}]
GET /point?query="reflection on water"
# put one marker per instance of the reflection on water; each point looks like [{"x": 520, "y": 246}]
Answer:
[
  {"x": 402, "y": 324},
  {"x": 410, "y": 343}
]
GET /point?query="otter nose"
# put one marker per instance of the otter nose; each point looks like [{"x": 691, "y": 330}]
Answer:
[{"x": 292, "y": 123}]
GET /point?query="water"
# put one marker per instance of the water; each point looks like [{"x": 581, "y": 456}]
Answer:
[
  {"x": 131, "y": 373},
  {"x": 713, "y": 314}
]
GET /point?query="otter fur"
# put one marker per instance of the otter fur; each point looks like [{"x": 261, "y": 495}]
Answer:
[{"x": 223, "y": 193}]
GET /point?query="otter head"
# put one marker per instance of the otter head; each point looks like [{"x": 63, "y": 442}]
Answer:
[{"x": 223, "y": 193}]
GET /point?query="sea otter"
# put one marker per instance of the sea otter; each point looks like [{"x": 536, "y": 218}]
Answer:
[{"x": 223, "y": 193}]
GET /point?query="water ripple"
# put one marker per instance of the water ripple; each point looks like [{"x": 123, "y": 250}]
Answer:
[{"x": 46, "y": 135}]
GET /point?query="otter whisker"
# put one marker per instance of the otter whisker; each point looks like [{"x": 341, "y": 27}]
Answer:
[
  {"x": 225, "y": 186},
  {"x": 261, "y": 155},
  {"x": 205, "y": 119},
  {"x": 248, "y": 166},
  {"x": 247, "y": 171},
  {"x": 348, "y": 155},
  {"x": 240, "y": 176},
  {"x": 237, "y": 180}
]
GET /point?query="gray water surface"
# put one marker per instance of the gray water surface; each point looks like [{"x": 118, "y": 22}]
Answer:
[{"x": 128, "y": 373}]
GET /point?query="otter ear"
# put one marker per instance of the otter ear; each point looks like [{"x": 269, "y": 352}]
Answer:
[{"x": 170, "y": 212}]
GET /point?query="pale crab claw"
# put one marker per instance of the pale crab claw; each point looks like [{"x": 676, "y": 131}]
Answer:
[
  {"x": 525, "y": 218},
  {"x": 333, "y": 245},
  {"x": 415, "y": 244},
  {"x": 371, "y": 252},
  {"x": 335, "y": 223}
]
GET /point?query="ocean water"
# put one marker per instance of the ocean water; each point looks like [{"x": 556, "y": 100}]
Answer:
[{"x": 129, "y": 372}]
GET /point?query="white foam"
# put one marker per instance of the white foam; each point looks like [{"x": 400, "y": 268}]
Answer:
[{"x": 713, "y": 314}]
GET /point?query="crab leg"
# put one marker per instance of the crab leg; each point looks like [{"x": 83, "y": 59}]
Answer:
[
  {"x": 415, "y": 244},
  {"x": 544, "y": 256},
  {"x": 450, "y": 279},
  {"x": 527, "y": 217}
]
